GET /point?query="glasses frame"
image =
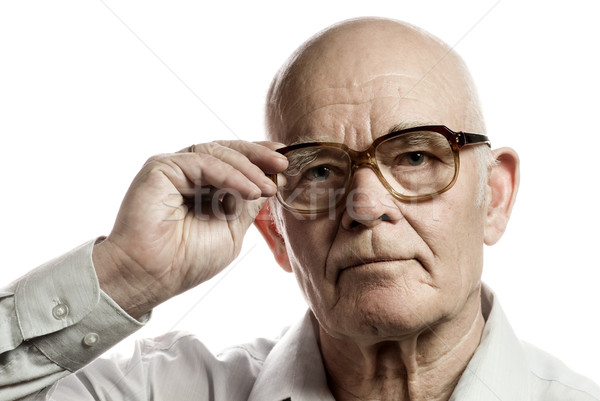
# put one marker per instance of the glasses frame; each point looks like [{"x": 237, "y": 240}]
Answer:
[{"x": 366, "y": 158}]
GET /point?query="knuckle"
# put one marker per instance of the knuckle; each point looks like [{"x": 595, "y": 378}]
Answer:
[
  {"x": 205, "y": 148},
  {"x": 210, "y": 147},
  {"x": 156, "y": 159},
  {"x": 226, "y": 142},
  {"x": 208, "y": 161},
  {"x": 235, "y": 145},
  {"x": 220, "y": 151},
  {"x": 216, "y": 149}
]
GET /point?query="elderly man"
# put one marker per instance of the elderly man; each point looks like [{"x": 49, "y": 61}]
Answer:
[{"x": 386, "y": 191}]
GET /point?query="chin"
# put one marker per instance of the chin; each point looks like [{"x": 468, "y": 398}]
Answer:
[{"x": 378, "y": 316}]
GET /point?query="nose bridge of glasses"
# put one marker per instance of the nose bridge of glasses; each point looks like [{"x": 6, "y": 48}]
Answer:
[{"x": 365, "y": 158}]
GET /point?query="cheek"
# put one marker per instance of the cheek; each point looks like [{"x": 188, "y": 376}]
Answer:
[
  {"x": 308, "y": 243},
  {"x": 452, "y": 228}
]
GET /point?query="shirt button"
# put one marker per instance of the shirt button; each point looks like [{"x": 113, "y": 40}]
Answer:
[
  {"x": 60, "y": 311},
  {"x": 91, "y": 339}
]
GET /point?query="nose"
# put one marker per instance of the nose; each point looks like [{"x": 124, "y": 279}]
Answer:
[{"x": 369, "y": 203}]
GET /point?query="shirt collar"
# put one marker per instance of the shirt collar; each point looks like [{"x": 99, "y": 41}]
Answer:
[
  {"x": 496, "y": 372},
  {"x": 294, "y": 368}
]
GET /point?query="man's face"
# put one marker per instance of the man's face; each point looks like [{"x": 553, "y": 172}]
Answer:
[{"x": 369, "y": 277}]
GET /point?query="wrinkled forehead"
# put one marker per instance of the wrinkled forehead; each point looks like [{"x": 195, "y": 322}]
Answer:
[
  {"x": 359, "y": 113},
  {"x": 307, "y": 99},
  {"x": 358, "y": 80}
]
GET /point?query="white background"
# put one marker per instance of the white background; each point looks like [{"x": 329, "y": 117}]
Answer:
[{"x": 89, "y": 90}]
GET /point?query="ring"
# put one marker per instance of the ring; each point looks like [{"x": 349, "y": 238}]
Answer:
[{"x": 193, "y": 149}]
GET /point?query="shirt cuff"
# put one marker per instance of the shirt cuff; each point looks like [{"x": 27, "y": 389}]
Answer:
[
  {"x": 77, "y": 345},
  {"x": 57, "y": 294},
  {"x": 61, "y": 309}
]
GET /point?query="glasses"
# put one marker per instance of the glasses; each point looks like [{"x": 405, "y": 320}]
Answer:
[{"x": 412, "y": 164}]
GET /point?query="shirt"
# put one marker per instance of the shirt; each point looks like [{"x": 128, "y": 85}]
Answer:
[{"x": 177, "y": 366}]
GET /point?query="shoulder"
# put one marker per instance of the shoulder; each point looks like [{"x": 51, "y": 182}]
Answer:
[
  {"x": 553, "y": 380},
  {"x": 184, "y": 347},
  {"x": 175, "y": 357}
]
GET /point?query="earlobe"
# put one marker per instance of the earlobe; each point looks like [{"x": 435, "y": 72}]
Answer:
[
  {"x": 503, "y": 185},
  {"x": 266, "y": 225}
]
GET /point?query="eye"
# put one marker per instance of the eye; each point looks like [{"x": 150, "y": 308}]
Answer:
[
  {"x": 318, "y": 173},
  {"x": 414, "y": 158}
]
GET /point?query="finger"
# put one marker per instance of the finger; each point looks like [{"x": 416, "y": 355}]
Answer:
[
  {"x": 188, "y": 149},
  {"x": 262, "y": 154},
  {"x": 270, "y": 144},
  {"x": 267, "y": 159},
  {"x": 252, "y": 159},
  {"x": 247, "y": 158},
  {"x": 191, "y": 173}
]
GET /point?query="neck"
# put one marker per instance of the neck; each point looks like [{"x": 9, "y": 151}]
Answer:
[{"x": 424, "y": 366}]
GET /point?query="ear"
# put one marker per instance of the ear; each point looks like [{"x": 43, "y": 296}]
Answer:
[
  {"x": 266, "y": 225},
  {"x": 503, "y": 185}
]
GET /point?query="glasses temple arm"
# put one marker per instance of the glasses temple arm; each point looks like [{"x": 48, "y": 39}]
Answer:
[{"x": 471, "y": 139}]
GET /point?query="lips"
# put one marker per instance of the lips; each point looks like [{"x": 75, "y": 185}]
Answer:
[
  {"x": 364, "y": 262},
  {"x": 369, "y": 262}
]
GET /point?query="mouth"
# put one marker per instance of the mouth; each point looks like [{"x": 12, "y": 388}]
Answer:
[
  {"x": 372, "y": 267},
  {"x": 367, "y": 262}
]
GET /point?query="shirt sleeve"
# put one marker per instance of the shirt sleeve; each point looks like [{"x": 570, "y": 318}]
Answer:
[{"x": 54, "y": 321}]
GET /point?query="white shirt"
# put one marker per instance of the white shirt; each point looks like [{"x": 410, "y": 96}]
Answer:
[{"x": 177, "y": 367}]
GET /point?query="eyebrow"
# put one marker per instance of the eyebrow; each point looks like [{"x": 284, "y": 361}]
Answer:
[
  {"x": 305, "y": 139},
  {"x": 411, "y": 124}
]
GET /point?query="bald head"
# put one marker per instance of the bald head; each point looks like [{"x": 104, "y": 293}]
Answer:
[{"x": 349, "y": 59}]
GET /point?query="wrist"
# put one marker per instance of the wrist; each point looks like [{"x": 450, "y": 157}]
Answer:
[{"x": 130, "y": 291}]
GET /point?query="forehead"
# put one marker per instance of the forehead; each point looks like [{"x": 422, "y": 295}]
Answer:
[{"x": 359, "y": 112}]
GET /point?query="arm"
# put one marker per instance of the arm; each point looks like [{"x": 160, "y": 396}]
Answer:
[
  {"x": 181, "y": 222},
  {"x": 54, "y": 321}
]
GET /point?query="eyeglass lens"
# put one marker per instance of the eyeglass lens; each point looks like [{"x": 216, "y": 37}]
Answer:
[{"x": 413, "y": 164}]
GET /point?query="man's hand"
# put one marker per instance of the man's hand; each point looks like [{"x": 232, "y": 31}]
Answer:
[{"x": 183, "y": 220}]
